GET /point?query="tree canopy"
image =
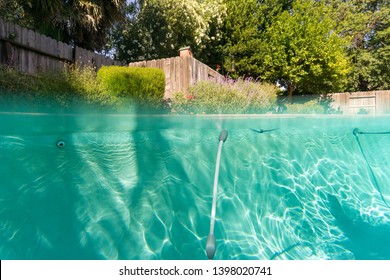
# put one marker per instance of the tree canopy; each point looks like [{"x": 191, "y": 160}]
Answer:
[
  {"x": 366, "y": 25},
  {"x": 83, "y": 23},
  {"x": 302, "y": 51},
  {"x": 158, "y": 28},
  {"x": 310, "y": 46}
]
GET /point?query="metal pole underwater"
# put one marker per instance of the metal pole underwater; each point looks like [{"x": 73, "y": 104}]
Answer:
[{"x": 210, "y": 245}]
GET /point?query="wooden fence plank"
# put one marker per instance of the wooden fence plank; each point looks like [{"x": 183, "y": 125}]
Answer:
[
  {"x": 45, "y": 46},
  {"x": 11, "y": 30},
  {"x": 18, "y": 54},
  {"x": 53, "y": 50},
  {"x": 32, "y": 57},
  {"x": 383, "y": 102},
  {"x": 33, "y": 52},
  {"x": 171, "y": 78},
  {"x": 24, "y": 52},
  {"x": 39, "y": 57},
  {"x": 178, "y": 72},
  {"x": 166, "y": 66},
  {"x": 2, "y": 43}
]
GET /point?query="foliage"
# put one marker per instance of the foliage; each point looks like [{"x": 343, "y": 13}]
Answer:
[
  {"x": 83, "y": 82},
  {"x": 14, "y": 81},
  {"x": 308, "y": 107},
  {"x": 307, "y": 104},
  {"x": 230, "y": 96},
  {"x": 310, "y": 45},
  {"x": 158, "y": 28},
  {"x": 366, "y": 25},
  {"x": 83, "y": 23},
  {"x": 145, "y": 86},
  {"x": 245, "y": 23},
  {"x": 74, "y": 85},
  {"x": 13, "y": 11},
  {"x": 302, "y": 52},
  {"x": 241, "y": 38}
]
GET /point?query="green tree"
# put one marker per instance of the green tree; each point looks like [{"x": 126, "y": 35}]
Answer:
[
  {"x": 83, "y": 23},
  {"x": 302, "y": 51},
  {"x": 241, "y": 37},
  {"x": 366, "y": 24},
  {"x": 158, "y": 28},
  {"x": 271, "y": 39},
  {"x": 243, "y": 32},
  {"x": 13, "y": 11}
]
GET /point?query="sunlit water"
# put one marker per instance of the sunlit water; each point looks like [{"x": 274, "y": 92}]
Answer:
[{"x": 128, "y": 187}]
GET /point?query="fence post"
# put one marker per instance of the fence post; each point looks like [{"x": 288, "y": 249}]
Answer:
[{"x": 185, "y": 57}]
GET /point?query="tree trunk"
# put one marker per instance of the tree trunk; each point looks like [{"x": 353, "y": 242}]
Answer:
[{"x": 291, "y": 88}]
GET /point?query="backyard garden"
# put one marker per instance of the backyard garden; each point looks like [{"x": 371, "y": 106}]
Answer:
[{"x": 268, "y": 52}]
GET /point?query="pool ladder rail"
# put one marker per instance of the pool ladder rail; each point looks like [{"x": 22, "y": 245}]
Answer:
[{"x": 210, "y": 245}]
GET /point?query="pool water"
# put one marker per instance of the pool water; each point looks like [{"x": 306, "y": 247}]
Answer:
[{"x": 140, "y": 187}]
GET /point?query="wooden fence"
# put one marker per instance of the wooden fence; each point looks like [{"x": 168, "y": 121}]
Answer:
[
  {"x": 370, "y": 102},
  {"x": 181, "y": 71},
  {"x": 31, "y": 52}
]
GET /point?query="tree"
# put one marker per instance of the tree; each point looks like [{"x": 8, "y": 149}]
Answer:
[
  {"x": 264, "y": 39},
  {"x": 82, "y": 23},
  {"x": 158, "y": 28},
  {"x": 243, "y": 32},
  {"x": 366, "y": 24},
  {"x": 13, "y": 11},
  {"x": 302, "y": 51},
  {"x": 241, "y": 37}
]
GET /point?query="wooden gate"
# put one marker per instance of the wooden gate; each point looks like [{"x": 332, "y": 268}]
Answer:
[{"x": 368, "y": 102}]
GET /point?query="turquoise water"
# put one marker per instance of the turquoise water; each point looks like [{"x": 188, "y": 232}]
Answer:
[{"x": 140, "y": 187}]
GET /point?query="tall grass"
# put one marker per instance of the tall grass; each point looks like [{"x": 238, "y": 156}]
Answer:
[
  {"x": 14, "y": 81},
  {"x": 19, "y": 90},
  {"x": 77, "y": 86},
  {"x": 144, "y": 87},
  {"x": 74, "y": 86},
  {"x": 227, "y": 97},
  {"x": 308, "y": 107}
]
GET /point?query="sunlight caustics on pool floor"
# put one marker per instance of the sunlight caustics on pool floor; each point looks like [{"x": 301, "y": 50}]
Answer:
[{"x": 140, "y": 187}]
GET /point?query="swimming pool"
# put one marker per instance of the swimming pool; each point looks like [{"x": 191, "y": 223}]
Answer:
[{"x": 140, "y": 187}]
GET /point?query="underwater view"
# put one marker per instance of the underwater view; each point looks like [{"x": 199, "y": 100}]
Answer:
[{"x": 118, "y": 186}]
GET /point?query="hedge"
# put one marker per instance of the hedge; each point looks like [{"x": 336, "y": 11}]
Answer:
[
  {"x": 227, "y": 97},
  {"x": 146, "y": 86}
]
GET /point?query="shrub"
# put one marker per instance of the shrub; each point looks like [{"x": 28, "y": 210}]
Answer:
[
  {"x": 14, "y": 81},
  {"x": 146, "y": 86},
  {"x": 84, "y": 84},
  {"x": 82, "y": 80},
  {"x": 228, "y": 97},
  {"x": 76, "y": 85},
  {"x": 47, "y": 90},
  {"x": 307, "y": 104},
  {"x": 19, "y": 90},
  {"x": 309, "y": 107}
]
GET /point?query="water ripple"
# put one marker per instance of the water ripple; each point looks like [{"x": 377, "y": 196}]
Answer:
[{"x": 146, "y": 194}]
